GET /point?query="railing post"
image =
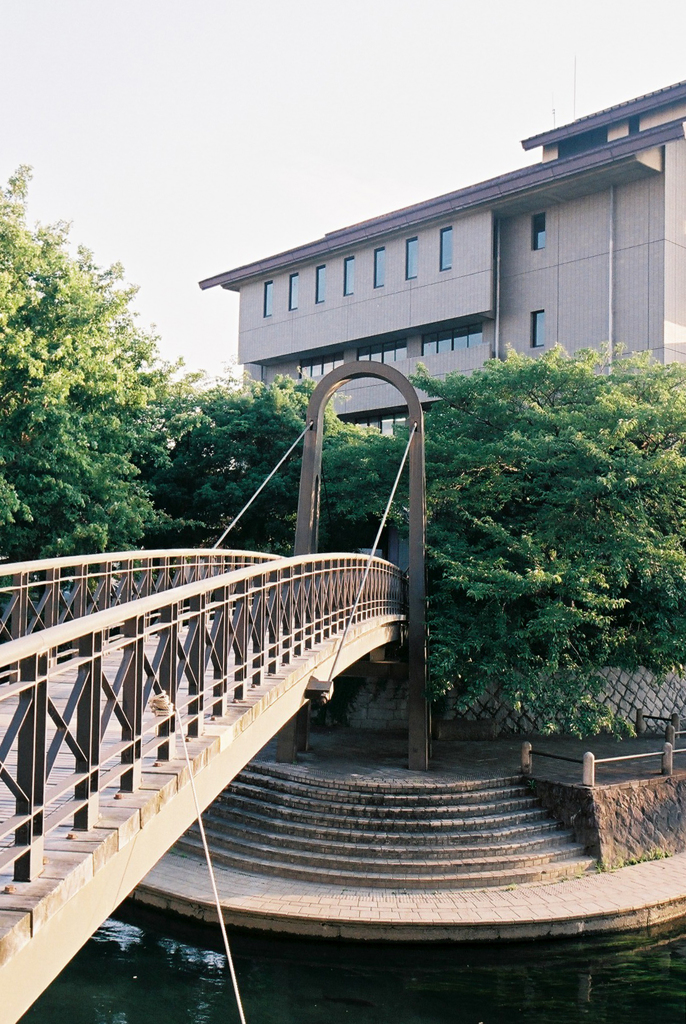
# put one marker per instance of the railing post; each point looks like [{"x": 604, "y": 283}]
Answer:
[
  {"x": 167, "y": 680},
  {"x": 527, "y": 758},
  {"x": 132, "y": 704},
  {"x": 676, "y": 722},
  {"x": 19, "y": 618},
  {"x": 640, "y": 724},
  {"x": 88, "y": 731},
  {"x": 670, "y": 734},
  {"x": 588, "y": 769},
  {"x": 668, "y": 759},
  {"x": 196, "y": 663},
  {"x": 31, "y": 760},
  {"x": 220, "y": 653}
]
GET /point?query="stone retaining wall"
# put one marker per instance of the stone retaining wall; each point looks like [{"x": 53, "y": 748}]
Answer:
[
  {"x": 624, "y": 822},
  {"x": 383, "y": 705}
]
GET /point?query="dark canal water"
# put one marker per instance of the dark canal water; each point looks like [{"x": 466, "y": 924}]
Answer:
[{"x": 144, "y": 975}]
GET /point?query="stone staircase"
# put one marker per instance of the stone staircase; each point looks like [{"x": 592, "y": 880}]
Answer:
[{"x": 413, "y": 835}]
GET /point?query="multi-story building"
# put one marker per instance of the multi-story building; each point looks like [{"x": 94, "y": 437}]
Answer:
[{"x": 585, "y": 248}]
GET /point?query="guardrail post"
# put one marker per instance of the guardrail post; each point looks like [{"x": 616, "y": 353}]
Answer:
[
  {"x": 588, "y": 769},
  {"x": 527, "y": 758},
  {"x": 132, "y": 704},
  {"x": 88, "y": 730},
  {"x": 19, "y": 617},
  {"x": 167, "y": 680},
  {"x": 676, "y": 722},
  {"x": 640, "y": 724},
  {"x": 196, "y": 663},
  {"x": 31, "y": 760},
  {"x": 668, "y": 759},
  {"x": 220, "y": 653},
  {"x": 670, "y": 734}
]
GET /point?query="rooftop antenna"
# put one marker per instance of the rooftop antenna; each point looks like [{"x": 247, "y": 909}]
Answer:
[{"x": 574, "y": 98}]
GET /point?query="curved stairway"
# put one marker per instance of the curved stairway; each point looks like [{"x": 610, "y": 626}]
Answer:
[{"x": 414, "y": 835}]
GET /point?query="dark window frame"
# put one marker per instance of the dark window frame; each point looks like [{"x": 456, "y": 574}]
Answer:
[
  {"x": 446, "y": 233},
  {"x": 538, "y": 232},
  {"x": 293, "y": 291},
  {"x": 538, "y": 328},
  {"x": 430, "y": 342},
  {"x": 268, "y": 299},
  {"x": 336, "y": 358},
  {"x": 382, "y": 349},
  {"x": 408, "y": 242},
  {"x": 349, "y": 278},
  {"x": 380, "y": 257},
  {"x": 320, "y": 292}
]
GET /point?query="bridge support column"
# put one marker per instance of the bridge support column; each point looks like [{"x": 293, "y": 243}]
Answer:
[{"x": 294, "y": 736}]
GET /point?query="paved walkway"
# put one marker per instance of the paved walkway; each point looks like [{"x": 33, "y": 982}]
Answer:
[{"x": 639, "y": 896}]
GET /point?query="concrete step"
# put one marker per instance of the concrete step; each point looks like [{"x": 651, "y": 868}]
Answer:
[
  {"x": 260, "y": 772},
  {"x": 403, "y": 796},
  {"x": 357, "y": 845},
  {"x": 435, "y": 820},
  {"x": 389, "y": 809},
  {"x": 375, "y": 832},
  {"x": 408, "y": 878}
]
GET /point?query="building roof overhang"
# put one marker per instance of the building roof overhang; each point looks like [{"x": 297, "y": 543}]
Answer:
[
  {"x": 612, "y": 115},
  {"x": 621, "y": 160}
]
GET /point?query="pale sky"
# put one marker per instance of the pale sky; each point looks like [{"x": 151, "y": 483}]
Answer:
[{"x": 183, "y": 139}]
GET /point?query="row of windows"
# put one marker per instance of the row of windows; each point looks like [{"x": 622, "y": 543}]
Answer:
[
  {"x": 432, "y": 344},
  {"x": 411, "y": 271},
  {"x": 448, "y": 341},
  {"x": 385, "y": 424},
  {"x": 538, "y": 236}
]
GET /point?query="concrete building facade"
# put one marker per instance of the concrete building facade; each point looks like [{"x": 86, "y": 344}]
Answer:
[{"x": 586, "y": 248}]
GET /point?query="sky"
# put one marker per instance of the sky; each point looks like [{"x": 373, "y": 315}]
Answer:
[{"x": 183, "y": 139}]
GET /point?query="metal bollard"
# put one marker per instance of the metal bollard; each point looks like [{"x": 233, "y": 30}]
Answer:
[
  {"x": 667, "y": 759},
  {"x": 640, "y": 724},
  {"x": 588, "y": 777},
  {"x": 527, "y": 759},
  {"x": 676, "y": 722},
  {"x": 670, "y": 735}
]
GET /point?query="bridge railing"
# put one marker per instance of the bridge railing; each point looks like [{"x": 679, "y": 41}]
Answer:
[
  {"x": 75, "y": 714},
  {"x": 46, "y": 592}
]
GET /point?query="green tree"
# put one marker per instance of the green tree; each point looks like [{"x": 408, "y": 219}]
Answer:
[
  {"x": 557, "y": 505},
  {"x": 76, "y": 378}
]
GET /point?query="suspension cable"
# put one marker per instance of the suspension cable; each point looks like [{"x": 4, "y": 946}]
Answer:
[
  {"x": 161, "y": 705},
  {"x": 371, "y": 556},
  {"x": 262, "y": 485}
]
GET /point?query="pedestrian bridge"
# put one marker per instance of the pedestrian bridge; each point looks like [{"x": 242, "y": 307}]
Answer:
[{"x": 93, "y": 789}]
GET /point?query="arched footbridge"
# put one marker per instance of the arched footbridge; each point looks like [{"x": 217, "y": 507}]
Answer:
[{"x": 93, "y": 789}]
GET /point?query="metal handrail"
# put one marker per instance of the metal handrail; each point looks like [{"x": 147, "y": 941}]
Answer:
[
  {"x": 44, "y": 592},
  {"x": 76, "y": 695}
]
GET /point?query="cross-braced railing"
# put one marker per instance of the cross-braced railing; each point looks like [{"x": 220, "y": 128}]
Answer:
[
  {"x": 75, "y": 714},
  {"x": 43, "y": 593}
]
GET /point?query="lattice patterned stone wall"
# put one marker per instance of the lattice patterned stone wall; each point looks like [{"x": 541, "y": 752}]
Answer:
[{"x": 384, "y": 705}]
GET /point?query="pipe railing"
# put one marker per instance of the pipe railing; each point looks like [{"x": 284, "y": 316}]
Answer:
[
  {"x": 589, "y": 761},
  {"x": 75, "y": 698},
  {"x": 46, "y": 592}
]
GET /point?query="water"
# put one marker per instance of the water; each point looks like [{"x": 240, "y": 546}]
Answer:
[{"x": 133, "y": 975}]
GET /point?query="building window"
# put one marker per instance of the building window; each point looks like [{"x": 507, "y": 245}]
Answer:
[
  {"x": 411, "y": 257},
  {"x": 386, "y": 423},
  {"x": 450, "y": 340},
  {"x": 320, "y": 284},
  {"x": 379, "y": 268},
  {"x": 538, "y": 231},
  {"x": 268, "y": 298},
  {"x": 293, "y": 291},
  {"x": 384, "y": 351},
  {"x": 320, "y": 365},
  {"x": 349, "y": 275},
  {"x": 446, "y": 259},
  {"x": 538, "y": 328}
]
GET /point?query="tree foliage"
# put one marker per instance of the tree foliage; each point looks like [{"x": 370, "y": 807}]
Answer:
[
  {"x": 557, "y": 524},
  {"x": 76, "y": 378}
]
